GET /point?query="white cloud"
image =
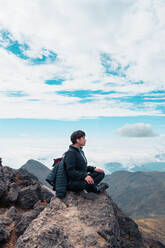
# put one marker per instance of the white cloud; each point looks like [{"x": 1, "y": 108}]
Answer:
[
  {"x": 131, "y": 32},
  {"x": 136, "y": 130}
]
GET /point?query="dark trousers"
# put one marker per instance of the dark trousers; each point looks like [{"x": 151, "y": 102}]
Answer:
[{"x": 77, "y": 186}]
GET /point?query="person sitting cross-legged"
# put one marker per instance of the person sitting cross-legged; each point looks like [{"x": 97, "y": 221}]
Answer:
[{"x": 80, "y": 176}]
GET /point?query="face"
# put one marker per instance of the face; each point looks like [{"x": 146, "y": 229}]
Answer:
[{"x": 81, "y": 141}]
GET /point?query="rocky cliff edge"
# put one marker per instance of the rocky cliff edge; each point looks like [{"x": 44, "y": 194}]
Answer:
[{"x": 31, "y": 216}]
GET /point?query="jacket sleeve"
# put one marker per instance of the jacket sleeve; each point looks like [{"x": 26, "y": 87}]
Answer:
[
  {"x": 90, "y": 168},
  {"x": 70, "y": 162}
]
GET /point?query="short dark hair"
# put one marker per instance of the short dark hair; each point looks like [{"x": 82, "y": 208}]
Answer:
[{"x": 76, "y": 135}]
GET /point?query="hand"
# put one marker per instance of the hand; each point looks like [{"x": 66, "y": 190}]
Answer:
[
  {"x": 89, "y": 179},
  {"x": 98, "y": 170}
]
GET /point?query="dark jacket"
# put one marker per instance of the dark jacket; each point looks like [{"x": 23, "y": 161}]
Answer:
[
  {"x": 58, "y": 178},
  {"x": 76, "y": 165},
  {"x": 61, "y": 180}
]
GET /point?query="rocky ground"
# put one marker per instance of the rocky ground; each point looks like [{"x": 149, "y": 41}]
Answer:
[
  {"x": 31, "y": 216},
  {"x": 22, "y": 198}
]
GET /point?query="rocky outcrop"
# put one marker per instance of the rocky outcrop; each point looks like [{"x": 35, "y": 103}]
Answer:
[
  {"x": 21, "y": 188},
  {"x": 75, "y": 222},
  {"x": 22, "y": 198},
  {"x": 31, "y": 216}
]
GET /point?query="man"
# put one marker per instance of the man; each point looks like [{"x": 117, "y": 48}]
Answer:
[{"x": 80, "y": 176}]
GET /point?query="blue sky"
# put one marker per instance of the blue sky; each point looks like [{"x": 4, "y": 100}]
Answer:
[
  {"x": 101, "y": 127},
  {"x": 98, "y": 67}
]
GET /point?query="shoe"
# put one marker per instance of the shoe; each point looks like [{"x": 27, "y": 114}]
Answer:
[
  {"x": 89, "y": 195},
  {"x": 102, "y": 187}
]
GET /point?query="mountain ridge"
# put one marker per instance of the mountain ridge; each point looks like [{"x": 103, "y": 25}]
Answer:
[
  {"x": 38, "y": 169},
  {"x": 145, "y": 190}
]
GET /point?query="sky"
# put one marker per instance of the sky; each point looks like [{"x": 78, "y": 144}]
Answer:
[{"x": 96, "y": 66}]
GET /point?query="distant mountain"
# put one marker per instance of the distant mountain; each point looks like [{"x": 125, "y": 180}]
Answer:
[
  {"x": 152, "y": 166},
  {"x": 141, "y": 195},
  {"x": 138, "y": 194},
  {"x": 37, "y": 169}
]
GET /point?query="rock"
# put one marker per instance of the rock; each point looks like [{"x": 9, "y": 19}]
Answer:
[
  {"x": 5, "y": 221},
  {"x": 46, "y": 193},
  {"x": 27, "y": 176},
  {"x": 26, "y": 218},
  {"x": 22, "y": 189},
  {"x": 12, "y": 194},
  {"x": 29, "y": 195},
  {"x": 19, "y": 194},
  {"x": 78, "y": 222},
  {"x": 5, "y": 228},
  {"x": 3, "y": 234},
  {"x": 32, "y": 216},
  {"x": 12, "y": 213},
  {"x": 3, "y": 187}
]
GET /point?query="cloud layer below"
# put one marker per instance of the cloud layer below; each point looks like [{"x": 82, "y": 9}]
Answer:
[{"x": 128, "y": 151}]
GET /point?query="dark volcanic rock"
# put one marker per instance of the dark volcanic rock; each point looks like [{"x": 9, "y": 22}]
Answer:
[
  {"x": 12, "y": 194},
  {"x": 12, "y": 213},
  {"x": 5, "y": 228},
  {"x": 29, "y": 195},
  {"x": 3, "y": 186},
  {"x": 22, "y": 198},
  {"x": 21, "y": 188},
  {"x": 3, "y": 234}
]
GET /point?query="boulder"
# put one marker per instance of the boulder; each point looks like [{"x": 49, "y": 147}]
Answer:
[
  {"x": 77, "y": 222},
  {"x": 26, "y": 218}
]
